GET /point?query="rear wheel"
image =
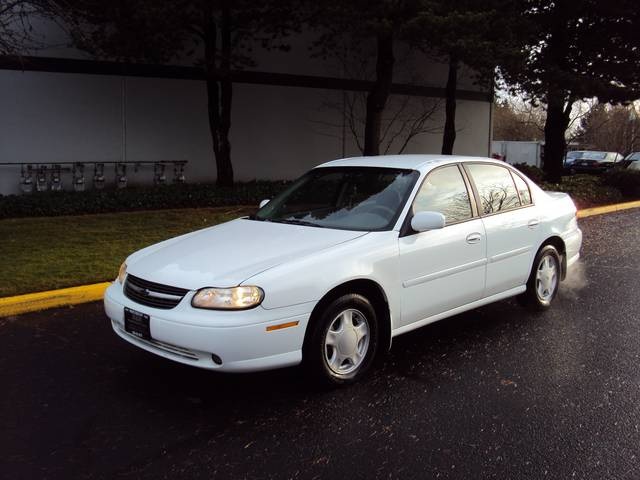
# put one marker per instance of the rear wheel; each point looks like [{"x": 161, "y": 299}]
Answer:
[
  {"x": 544, "y": 280},
  {"x": 343, "y": 341}
]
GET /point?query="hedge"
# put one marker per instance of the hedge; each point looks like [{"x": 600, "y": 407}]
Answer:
[
  {"x": 585, "y": 190},
  {"x": 625, "y": 180},
  {"x": 534, "y": 173},
  {"x": 49, "y": 204}
]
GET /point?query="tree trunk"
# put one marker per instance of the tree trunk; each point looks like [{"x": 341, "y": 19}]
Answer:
[
  {"x": 219, "y": 94},
  {"x": 559, "y": 102},
  {"x": 449, "y": 135},
  {"x": 377, "y": 98},
  {"x": 225, "y": 168},
  {"x": 555, "y": 128}
]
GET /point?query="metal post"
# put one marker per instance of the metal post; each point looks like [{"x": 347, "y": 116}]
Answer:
[
  {"x": 491, "y": 100},
  {"x": 124, "y": 118}
]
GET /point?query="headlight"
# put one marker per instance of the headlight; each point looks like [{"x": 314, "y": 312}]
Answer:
[
  {"x": 122, "y": 273},
  {"x": 236, "y": 298}
]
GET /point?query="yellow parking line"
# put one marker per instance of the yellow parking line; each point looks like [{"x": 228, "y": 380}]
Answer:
[
  {"x": 617, "y": 207},
  {"x": 32, "y": 302}
]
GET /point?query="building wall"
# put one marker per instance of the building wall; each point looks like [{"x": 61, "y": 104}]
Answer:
[{"x": 277, "y": 132}]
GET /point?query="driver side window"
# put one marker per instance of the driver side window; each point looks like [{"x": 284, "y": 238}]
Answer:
[{"x": 444, "y": 191}]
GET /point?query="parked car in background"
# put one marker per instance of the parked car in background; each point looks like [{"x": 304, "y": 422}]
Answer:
[
  {"x": 632, "y": 157},
  {"x": 353, "y": 253},
  {"x": 570, "y": 157},
  {"x": 634, "y": 165},
  {"x": 587, "y": 161},
  {"x": 628, "y": 161}
]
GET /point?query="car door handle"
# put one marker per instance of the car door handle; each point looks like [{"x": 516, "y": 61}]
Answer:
[
  {"x": 474, "y": 238},
  {"x": 533, "y": 223}
]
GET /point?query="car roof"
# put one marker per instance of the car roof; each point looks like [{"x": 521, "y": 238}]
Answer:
[
  {"x": 592, "y": 151},
  {"x": 411, "y": 162}
]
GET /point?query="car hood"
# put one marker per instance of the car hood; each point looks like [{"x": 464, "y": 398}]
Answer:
[{"x": 229, "y": 253}]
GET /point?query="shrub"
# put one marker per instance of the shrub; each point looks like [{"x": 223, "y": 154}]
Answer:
[
  {"x": 585, "y": 190},
  {"x": 534, "y": 173},
  {"x": 625, "y": 180},
  {"x": 136, "y": 198}
]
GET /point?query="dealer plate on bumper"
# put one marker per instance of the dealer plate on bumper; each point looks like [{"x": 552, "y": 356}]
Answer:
[{"x": 137, "y": 324}]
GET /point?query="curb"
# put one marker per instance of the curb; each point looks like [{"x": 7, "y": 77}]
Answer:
[
  {"x": 616, "y": 207},
  {"x": 32, "y": 302}
]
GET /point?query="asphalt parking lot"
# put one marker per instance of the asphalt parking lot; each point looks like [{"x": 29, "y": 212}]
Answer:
[{"x": 493, "y": 393}]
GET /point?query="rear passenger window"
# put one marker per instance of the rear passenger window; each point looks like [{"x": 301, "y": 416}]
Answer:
[
  {"x": 444, "y": 191},
  {"x": 523, "y": 190},
  {"x": 495, "y": 187}
]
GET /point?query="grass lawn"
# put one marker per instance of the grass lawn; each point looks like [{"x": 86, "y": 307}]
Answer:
[{"x": 45, "y": 253}]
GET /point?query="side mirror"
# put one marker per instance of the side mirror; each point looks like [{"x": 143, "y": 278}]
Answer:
[
  {"x": 423, "y": 221},
  {"x": 263, "y": 203}
]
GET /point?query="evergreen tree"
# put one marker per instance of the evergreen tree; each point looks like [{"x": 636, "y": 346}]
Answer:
[
  {"x": 381, "y": 22},
  {"x": 217, "y": 35},
  {"x": 480, "y": 35},
  {"x": 576, "y": 50}
]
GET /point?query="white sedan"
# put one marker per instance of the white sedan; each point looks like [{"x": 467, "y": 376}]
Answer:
[{"x": 352, "y": 254}]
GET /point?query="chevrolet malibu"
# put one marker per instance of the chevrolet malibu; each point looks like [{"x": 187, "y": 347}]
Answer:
[{"x": 350, "y": 255}]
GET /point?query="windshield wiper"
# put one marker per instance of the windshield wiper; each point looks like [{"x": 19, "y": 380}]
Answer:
[{"x": 294, "y": 221}]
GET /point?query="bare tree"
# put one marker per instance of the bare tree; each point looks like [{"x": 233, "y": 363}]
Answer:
[
  {"x": 404, "y": 118},
  {"x": 16, "y": 31},
  {"x": 611, "y": 128},
  {"x": 517, "y": 121}
]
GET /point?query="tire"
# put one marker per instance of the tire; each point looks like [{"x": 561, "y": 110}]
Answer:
[
  {"x": 342, "y": 342},
  {"x": 544, "y": 280}
]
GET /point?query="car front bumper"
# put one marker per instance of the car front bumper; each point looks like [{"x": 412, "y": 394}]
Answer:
[{"x": 239, "y": 338}]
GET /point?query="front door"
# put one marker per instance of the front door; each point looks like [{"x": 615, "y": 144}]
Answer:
[{"x": 445, "y": 268}]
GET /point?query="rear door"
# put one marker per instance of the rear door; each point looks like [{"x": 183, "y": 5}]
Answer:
[
  {"x": 442, "y": 269},
  {"x": 511, "y": 223}
]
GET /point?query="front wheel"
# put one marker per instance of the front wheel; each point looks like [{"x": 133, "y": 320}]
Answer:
[
  {"x": 544, "y": 280},
  {"x": 343, "y": 341}
]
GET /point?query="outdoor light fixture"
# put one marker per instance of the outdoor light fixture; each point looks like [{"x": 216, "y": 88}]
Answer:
[
  {"x": 121, "y": 175},
  {"x": 78, "y": 177},
  {"x": 26, "y": 181},
  {"x": 178, "y": 172},
  {"x": 56, "y": 178},
  {"x": 159, "y": 178},
  {"x": 41, "y": 179},
  {"x": 98, "y": 176}
]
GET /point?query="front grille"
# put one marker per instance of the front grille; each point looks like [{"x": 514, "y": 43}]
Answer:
[{"x": 152, "y": 294}]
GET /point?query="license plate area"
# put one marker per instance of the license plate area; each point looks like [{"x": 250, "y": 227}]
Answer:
[{"x": 137, "y": 324}]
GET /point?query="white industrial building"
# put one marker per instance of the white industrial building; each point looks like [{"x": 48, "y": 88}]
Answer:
[
  {"x": 60, "y": 106},
  {"x": 513, "y": 152}
]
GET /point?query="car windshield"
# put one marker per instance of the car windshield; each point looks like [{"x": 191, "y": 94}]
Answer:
[
  {"x": 634, "y": 156},
  {"x": 348, "y": 198}
]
